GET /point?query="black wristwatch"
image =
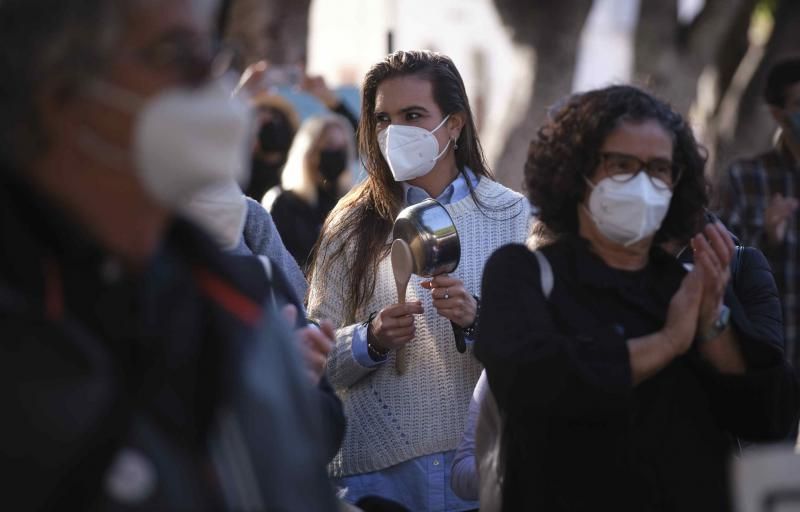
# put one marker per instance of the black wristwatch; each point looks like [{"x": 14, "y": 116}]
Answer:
[
  {"x": 471, "y": 330},
  {"x": 719, "y": 325},
  {"x": 460, "y": 333}
]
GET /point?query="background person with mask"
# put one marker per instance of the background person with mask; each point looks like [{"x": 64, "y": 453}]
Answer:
[
  {"x": 278, "y": 123},
  {"x": 761, "y": 197},
  {"x": 317, "y": 173},
  {"x": 619, "y": 386},
  {"x": 129, "y": 342},
  {"x": 418, "y": 139}
]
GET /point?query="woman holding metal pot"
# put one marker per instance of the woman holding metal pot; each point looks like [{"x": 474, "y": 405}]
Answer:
[
  {"x": 621, "y": 376},
  {"x": 418, "y": 140}
]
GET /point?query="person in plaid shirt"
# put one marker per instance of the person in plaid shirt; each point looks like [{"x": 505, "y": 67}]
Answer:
[{"x": 760, "y": 202}]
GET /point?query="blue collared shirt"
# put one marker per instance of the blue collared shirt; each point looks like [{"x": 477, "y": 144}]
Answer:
[{"x": 402, "y": 482}]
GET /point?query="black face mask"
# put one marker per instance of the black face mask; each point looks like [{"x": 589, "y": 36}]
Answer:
[
  {"x": 275, "y": 135},
  {"x": 332, "y": 163}
]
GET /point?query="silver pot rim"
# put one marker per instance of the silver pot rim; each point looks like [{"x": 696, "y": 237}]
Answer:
[{"x": 433, "y": 239}]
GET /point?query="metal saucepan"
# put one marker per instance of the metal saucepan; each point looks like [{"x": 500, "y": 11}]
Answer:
[{"x": 429, "y": 231}]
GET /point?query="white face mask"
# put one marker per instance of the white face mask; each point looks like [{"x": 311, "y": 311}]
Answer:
[
  {"x": 184, "y": 139},
  {"x": 629, "y": 211},
  {"x": 222, "y": 210},
  {"x": 410, "y": 151}
]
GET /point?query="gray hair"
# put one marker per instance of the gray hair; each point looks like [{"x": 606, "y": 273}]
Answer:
[{"x": 54, "y": 46}]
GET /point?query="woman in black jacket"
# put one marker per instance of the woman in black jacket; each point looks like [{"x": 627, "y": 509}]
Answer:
[
  {"x": 316, "y": 175},
  {"x": 620, "y": 387}
]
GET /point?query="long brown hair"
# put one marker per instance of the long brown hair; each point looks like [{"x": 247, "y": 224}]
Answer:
[{"x": 357, "y": 229}]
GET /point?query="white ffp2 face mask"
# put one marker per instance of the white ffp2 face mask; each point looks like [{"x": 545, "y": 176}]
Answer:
[
  {"x": 628, "y": 211},
  {"x": 410, "y": 151},
  {"x": 222, "y": 210},
  {"x": 185, "y": 139}
]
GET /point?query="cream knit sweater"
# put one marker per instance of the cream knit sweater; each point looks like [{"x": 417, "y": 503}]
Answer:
[{"x": 393, "y": 418}]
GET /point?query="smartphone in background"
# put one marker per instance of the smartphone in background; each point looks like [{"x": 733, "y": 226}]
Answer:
[{"x": 283, "y": 76}]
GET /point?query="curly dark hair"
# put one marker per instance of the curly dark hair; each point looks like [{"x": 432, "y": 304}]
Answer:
[{"x": 567, "y": 149}]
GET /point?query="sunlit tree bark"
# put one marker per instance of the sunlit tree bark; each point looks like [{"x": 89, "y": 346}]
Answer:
[
  {"x": 670, "y": 56},
  {"x": 546, "y": 34}
]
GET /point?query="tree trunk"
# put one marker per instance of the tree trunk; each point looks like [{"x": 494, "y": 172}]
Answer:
[
  {"x": 753, "y": 129},
  {"x": 275, "y": 30},
  {"x": 546, "y": 34},
  {"x": 671, "y": 57},
  {"x": 718, "y": 85}
]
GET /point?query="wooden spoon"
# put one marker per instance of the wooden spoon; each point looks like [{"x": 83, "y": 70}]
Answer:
[{"x": 402, "y": 265}]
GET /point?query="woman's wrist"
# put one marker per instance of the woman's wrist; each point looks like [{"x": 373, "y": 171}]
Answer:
[
  {"x": 374, "y": 349},
  {"x": 373, "y": 342},
  {"x": 671, "y": 344},
  {"x": 471, "y": 329},
  {"x": 649, "y": 354},
  {"x": 723, "y": 353}
]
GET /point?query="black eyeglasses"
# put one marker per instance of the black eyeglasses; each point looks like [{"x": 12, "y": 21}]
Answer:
[{"x": 622, "y": 167}]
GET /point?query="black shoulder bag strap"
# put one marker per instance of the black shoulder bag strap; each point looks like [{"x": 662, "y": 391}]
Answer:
[
  {"x": 546, "y": 278},
  {"x": 736, "y": 264}
]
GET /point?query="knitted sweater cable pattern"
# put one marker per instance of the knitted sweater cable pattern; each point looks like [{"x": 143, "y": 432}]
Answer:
[{"x": 393, "y": 418}]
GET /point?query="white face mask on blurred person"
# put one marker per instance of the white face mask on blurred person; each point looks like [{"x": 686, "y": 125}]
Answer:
[
  {"x": 184, "y": 139},
  {"x": 410, "y": 151},
  {"x": 222, "y": 210},
  {"x": 628, "y": 211}
]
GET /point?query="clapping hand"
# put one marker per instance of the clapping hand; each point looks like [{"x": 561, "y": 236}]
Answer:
[{"x": 713, "y": 250}]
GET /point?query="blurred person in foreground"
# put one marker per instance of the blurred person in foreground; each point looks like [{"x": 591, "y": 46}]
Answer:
[
  {"x": 141, "y": 367},
  {"x": 762, "y": 194},
  {"x": 242, "y": 227},
  {"x": 619, "y": 388},
  {"x": 419, "y": 141},
  {"x": 316, "y": 175}
]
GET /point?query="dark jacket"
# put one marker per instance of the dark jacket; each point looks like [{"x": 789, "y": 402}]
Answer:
[
  {"x": 300, "y": 223},
  {"x": 330, "y": 406},
  {"x": 578, "y": 435},
  {"x": 153, "y": 373},
  {"x": 753, "y": 283}
]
